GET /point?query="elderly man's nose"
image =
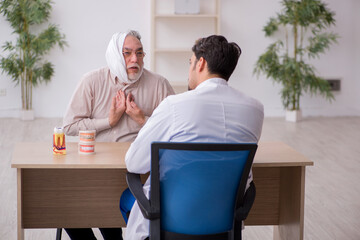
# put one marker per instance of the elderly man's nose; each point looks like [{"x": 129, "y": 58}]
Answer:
[{"x": 133, "y": 58}]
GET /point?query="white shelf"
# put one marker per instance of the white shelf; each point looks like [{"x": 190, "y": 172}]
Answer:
[
  {"x": 173, "y": 35},
  {"x": 186, "y": 16}
]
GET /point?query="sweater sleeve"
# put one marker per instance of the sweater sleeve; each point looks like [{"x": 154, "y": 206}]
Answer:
[{"x": 78, "y": 113}]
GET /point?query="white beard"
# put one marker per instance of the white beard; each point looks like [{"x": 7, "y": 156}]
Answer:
[{"x": 133, "y": 77}]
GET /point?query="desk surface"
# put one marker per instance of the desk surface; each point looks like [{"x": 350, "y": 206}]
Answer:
[
  {"x": 50, "y": 187},
  {"x": 111, "y": 155}
]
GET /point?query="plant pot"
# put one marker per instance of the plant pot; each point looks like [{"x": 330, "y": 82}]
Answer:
[
  {"x": 27, "y": 115},
  {"x": 293, "y": 115}
]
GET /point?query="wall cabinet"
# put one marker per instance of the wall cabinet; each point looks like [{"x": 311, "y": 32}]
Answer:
[{"x": 173, "y": 35}]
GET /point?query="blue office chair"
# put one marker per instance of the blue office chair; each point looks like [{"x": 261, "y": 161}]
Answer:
[{"x": 197, "y": 190}]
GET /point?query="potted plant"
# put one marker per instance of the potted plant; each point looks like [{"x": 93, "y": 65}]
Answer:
[
  {"x": 24, "y": 62},
  {"x": 287, "y": 62}
]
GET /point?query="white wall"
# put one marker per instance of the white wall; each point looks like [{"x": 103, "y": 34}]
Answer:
[
  {"x": 89, "y": 24},
  {"x": 357, "y": 47},
  {"x": 340, "y": 62},
  {"x": 243, "y": 24}
]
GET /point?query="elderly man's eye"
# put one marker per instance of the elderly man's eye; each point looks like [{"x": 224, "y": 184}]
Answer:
[{"x": 140, "y": 54}]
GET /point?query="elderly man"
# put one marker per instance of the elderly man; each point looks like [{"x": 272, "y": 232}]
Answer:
[
  {"x": 115, "y": 101},
  {"x": 211, "y": 112}
]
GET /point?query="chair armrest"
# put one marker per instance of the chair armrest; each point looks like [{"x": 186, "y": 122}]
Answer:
[
  {"x": 243, "y": 211},
  {"x": 134, "y": 182}
]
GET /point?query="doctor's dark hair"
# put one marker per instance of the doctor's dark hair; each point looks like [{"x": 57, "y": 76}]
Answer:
[{"x": 220, "y": 55}]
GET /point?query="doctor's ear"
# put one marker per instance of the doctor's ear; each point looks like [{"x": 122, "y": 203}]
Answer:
[{"x": 201, "y": 63}]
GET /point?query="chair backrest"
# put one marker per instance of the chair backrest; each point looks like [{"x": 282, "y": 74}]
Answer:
[{"x": 200, "y": 184}]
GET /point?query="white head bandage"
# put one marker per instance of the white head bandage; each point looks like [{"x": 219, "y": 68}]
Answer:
[{"x": 115, "y": 59}]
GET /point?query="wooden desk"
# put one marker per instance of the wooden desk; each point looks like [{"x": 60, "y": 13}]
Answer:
[{"x": 82, "y": 191}]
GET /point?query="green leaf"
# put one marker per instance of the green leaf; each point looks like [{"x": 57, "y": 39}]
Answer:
[
  {"x": 320, "y": 42},
  {"x": 38, "y": 11},
  {"x": 271, "y": 27},
  {"x": 12, "y": 66},
  {"x": 47, "y": 39},
  {"x": 8, "y": 46}
]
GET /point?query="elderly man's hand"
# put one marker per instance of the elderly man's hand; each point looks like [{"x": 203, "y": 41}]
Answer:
[
  {"x": 134, "y": 111},
  {"x": 117, "y": 109}
]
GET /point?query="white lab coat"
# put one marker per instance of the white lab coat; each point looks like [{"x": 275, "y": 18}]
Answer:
[{"x": 213, "y": 112}]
